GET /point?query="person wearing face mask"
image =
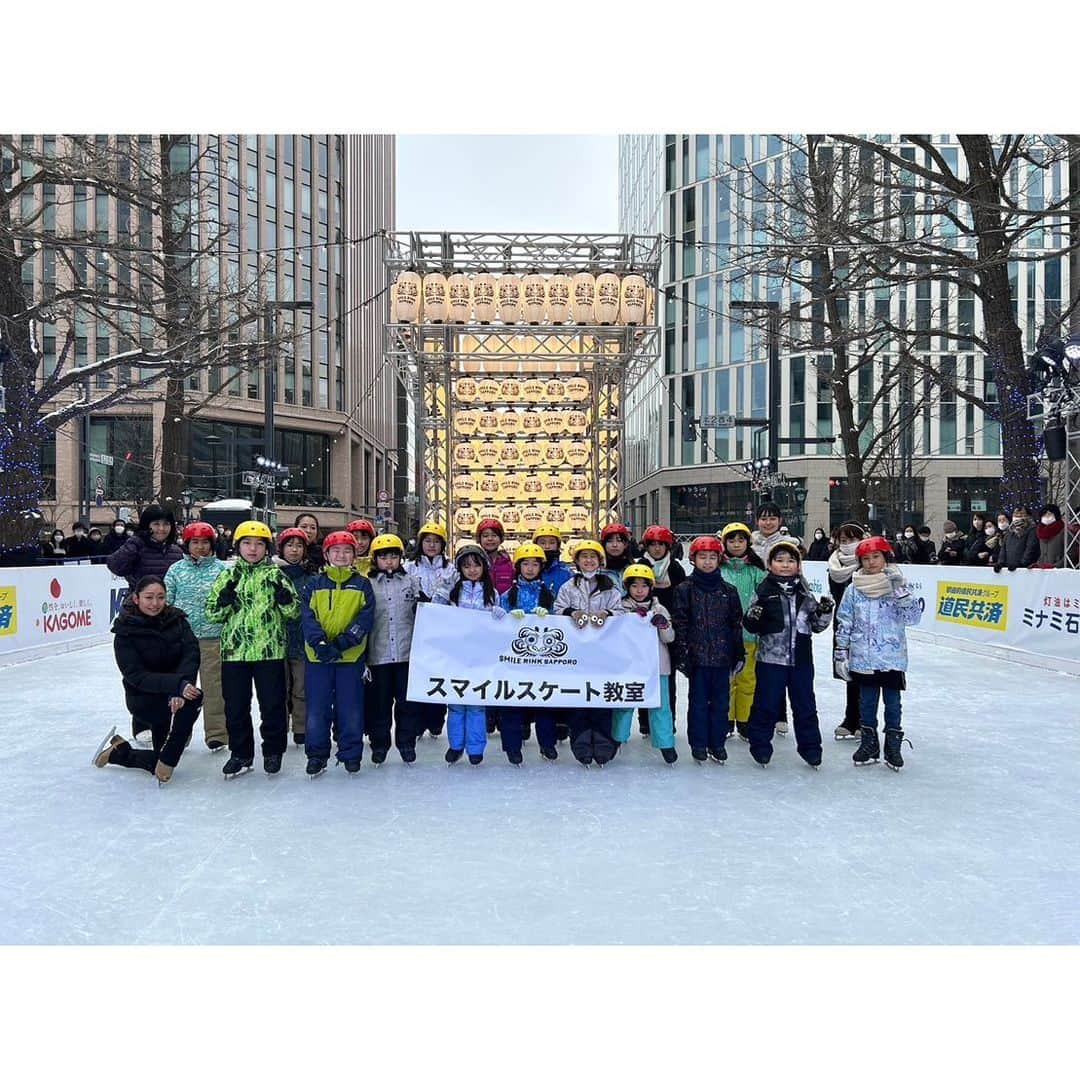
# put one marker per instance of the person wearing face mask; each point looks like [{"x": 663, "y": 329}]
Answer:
[
  {"x": 820, "y": 548},
  {"x": 78, "y": 545},
  {"x": 984, "y": 553},
  {"x": 1020, "y": 544},
  {"x": 1051, "y": 534},
  {"x": 96, "y": 541},
  {"x": 907, "y": 547},
  {"x": 53, "y": 548},
  {"x": 843, "y": 563},
  {"x": 974, "y": 537},
  {"x": 952, "y": 548},
  {"x": 152, "y": 550},
  {"x": 926, "y": 553},
  {"x": 115, "y": 538}
]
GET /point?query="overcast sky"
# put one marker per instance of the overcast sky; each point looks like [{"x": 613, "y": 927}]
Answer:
[{"x": 496, "y": 183}]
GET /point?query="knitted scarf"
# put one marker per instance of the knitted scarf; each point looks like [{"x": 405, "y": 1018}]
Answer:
[
  {"x": 707, "y": 582},
  {"x": 842, "y": 563},
  {"x": 874, "y": 585},
  {"x": 660, "y": 570},
  {"x": 1048, "y": 532}
]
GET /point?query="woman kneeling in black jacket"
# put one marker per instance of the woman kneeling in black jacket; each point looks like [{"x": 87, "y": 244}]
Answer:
[{"x": 158, "y": 656}]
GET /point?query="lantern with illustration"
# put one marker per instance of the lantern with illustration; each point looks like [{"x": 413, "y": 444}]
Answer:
[
  {"x": 558, "y": 299},
  {"x": 434, "y": 294},
  {"x": 608, "y": 295},
  {"x": 407, "y": 297},
  {"x": 459, "y": 298},
  {"x": 583, "y": 299},
  {"x": 508, "y": 295},
  {"x": 534, "y": 298},
  {"x": 483, "y": 298}
]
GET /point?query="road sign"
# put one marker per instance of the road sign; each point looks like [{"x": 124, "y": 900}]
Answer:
[
  {"x": 384, "y": 498},
  {"x": 257, "y": 479},
  {"x": 102, "y": 459},
  {"x": 718, "y": 420}
]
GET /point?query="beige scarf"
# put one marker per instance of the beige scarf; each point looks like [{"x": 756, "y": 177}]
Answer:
[{"x": 873, "y": 585}]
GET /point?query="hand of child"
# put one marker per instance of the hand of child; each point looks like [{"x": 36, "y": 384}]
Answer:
[
  {"x": 825, "y": 604},
  {"x": 581, "y": 618},
  {"x": 754, "y": 611},
  {"x": 659, "y": 621},
  {"x": 325, "y": 653},
  {"x": 497, "y": 613},
  {"x": 517, "y": 613},
  {"x": 283, "y": 595},
  {"x": 599, "y": 618},
  {"x": 227, "y": 596},
  {"x": 841, "y": 666},
  {"x": 539, "y": 612}
]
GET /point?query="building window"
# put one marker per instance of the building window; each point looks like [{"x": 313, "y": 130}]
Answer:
[{"x": 129, "y": 441}]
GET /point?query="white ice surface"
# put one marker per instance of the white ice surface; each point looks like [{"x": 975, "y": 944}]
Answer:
[{"x": 976, "y": 841}]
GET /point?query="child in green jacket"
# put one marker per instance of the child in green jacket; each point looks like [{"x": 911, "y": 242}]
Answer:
[{"x": 743, "y": 569}]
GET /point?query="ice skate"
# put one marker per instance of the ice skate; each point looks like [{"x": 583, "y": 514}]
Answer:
[
  {"x": 869, "y": 750},
  {"x": 842, "y": 731},
  {"x": 515, "y": 758},
  {"x": 742, "y": 729},
  {"x": 700, "y": 755},
  {"x": 549, "y": 753},
  {"x": 236, "y": 766},
  {"x": 271, "y": 764},
  {"x": 452, "y": 756},
  {"x": 669, "y": 754},
  {"x": 298, "y": 738},
  {"x": 408, "y": 755},
  {"x": 215, "y": 745},
  {"x": 730, "y": 730},
  {"x": 476, "y": 759},
  {"x": 894, "y": 737},
  {"x": 316, "y": 766},
  {"x": 761, "y": 759},
  {"x": 378, "y": 757},
  {"x": 163, "y": 773},
  {"x": 105, "y": 749},
  {"x": 718, "y": 754},
  {"x": 781, "y": 727},
  {"x": 812, "y": 758},
  {"x": 352, "y": 767}
]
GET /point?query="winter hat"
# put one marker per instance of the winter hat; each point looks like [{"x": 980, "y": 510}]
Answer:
[
  {"x": 950, "y": 526},
  {"x": 157, "y": 513}
]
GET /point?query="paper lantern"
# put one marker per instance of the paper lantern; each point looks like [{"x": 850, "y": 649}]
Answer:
[
  {"x": 488, "y": 423},
  {"x": 577, "y": 485},
  {"x": 459, "y": 298},
  {"x": 555, "y": 390},
  {"x": 583, "y": 299},
  {"x": 576, "y": 422},
  {"x": 407, "y": 297},
  {"x": 508, "y": 298},
  {"x": 532, "y": 454},
  {"x": 487, "y": 486},
  {"x": 554, "y": 454},
  {"x": 632, "y": 302},
  {"x": 510, "y": 516},
  {"x": 532, "y": 423},
  {"x": 510, "y": 454},
  {"x": 534, "y": 298},
  {"x": 465, "y": 519},
  {"x": 577, "y": 518},
  {"x": 558, "y": 299},
  {"x": 510, "y": 389},
  {"x": 532, "y": 486},
  {"x": 554, "y": 485},
  {"x": 488, "y": 510},
  {"x": 555, "y": 516},
  {"x": 466, "y": 421},
  {"x": 465, "y": 389},
  {"x": 532, "y": 516},
  {"x": 578, "y": 388},
  {"x": 433, "y": 291},
  {"x": 464, "y": 486},
  {"x": 576, "y": 453},
  {"x": 465, "y": 454},
  {"x": 554, "y": 422},
  {"x": 608, "y": 296},
  {"x": 510, "y": 486},
  {"x": 510, "y": 422},
  {"x": 488, "y": 454},
  {"x": 533, "y": 390},
  {"x": 483, "y": 298},
  {"x": 487, "y": 391}
]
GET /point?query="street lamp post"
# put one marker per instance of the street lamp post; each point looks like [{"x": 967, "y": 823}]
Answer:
[
  {"x": 772, "y": 334},
  {"x": 270, "y": 379}
]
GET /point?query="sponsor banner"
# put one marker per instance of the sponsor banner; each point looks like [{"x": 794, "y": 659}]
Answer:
[
  {"x": 468, "y": 658},
  {"x": 1037, "y": 611},
  {"x": 46, "y": 605}
]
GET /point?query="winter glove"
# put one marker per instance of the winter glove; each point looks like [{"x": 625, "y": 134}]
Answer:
[
  {"x": 841, "y": 667},
  {"x": 581, "y": 618},
  {"x": 518, "y": 613},
  {"x": 659, "y": 621},
  {"x": 997, "y": 568},
  {"x": 343, "y": 642},
  {"x": 283, "y": 595},
  {"x": 497, "y": 613},
  {"x": 539, "y": 612},
  {"x": 227, "y": 597},
  {"x": 895, "y": 576},
  {"x": 326, "y": 653},
  {"x": 599, "y": 618},
  {"x": 754, "y": 611},
  {"x": 825, "y": 605}
]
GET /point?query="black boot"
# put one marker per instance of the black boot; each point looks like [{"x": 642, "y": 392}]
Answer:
[
  {"x": 236, "y": 766},
  {"x": 298, "y": 738},
  {"x": 894, "y": 736},
  {"x": 452, "y": 755},
  {"x": 718, "y": 754},
  {"x": 699, "y": 755},
  {"x": 378, "y": 757},
  {"x": 352, "y": 766},
  {"x": 549, "y": 753},
  {"x": 475, "y": 759},
  {"x": 316, "y": 766},
  {"x": 742, "y": 728},
  {"x": 670, "y": 754},
  {"x": 271, "y": 764},
  {"x": 514, "y": 757},
  {"x": 408, "y": 754},
  {"x": 869, "y": 751}
]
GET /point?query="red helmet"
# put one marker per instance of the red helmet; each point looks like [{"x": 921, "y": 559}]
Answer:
[
  {"x": 491, "y": 523},
  {"x": 359, "y": 525},
  {"x": 616, "y": 528},
  {"x": 199, "y": 530},
  {"x": 661, "y": 533},
  {"x": 337, "y": 538},
  {"x": 873, "y": 543},
  {"x": 292, "y": 533},
  {"x": 706, "y": 543}
]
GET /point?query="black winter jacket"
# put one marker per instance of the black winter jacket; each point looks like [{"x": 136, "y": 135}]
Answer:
[
  {"x": 141, "y": 555},
  {"x": 156, "y": 656},
  {"x": 952, "y": 552},
  {"x": 708, "y": 626},
  {"x": 1017, "y": 550}
]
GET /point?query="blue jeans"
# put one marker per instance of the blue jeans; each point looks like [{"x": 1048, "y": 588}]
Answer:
[
  {"x": 466, "y": 728},
  {"x": 868, "y": 699},
  {"x": 707, "y": 710}
]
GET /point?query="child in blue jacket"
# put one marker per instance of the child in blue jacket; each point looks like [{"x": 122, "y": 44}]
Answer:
[{"x": 871, "y": 646}]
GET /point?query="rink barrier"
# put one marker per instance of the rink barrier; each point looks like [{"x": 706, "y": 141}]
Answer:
[
  {"x": 46, "y": 610},
  {"x": 1030, "y": 617}
]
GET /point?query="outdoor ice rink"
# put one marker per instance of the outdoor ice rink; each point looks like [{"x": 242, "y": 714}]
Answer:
[{"x": 975, "y": 842}]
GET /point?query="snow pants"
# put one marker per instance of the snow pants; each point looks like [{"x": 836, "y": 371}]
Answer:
[
  {"x": 335, "y": 690},
  {"x": 643, "y": 714},
  {"x": 170, "y": 734},
  {"x": 386, "y": 704},
  {"x": 213, "y": 704},
  {"x": 707, "y": 708},
  {"x": 742, "y": 686},
  {"x": 295, "y": 674},
  {"x": 590, "y": 736},
  {"x": 661, "y": 724},
  {"x": 466, "y": 728},
  {"x": 268, "y": 676},
  {"x": 428, "y": 716},
  {"x": 773, "y": 681}
]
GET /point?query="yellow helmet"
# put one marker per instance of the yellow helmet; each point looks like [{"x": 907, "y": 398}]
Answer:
[
  {"x": 588, "y": 545},
  {"x": 257, "y": 529},
  {"x": 638, "y": 570},
  {"x": 735, "y": 527},
  {"x": 386, "y": 542},
  {"x": 432, "y": 528},
  {"x": 546, "y": 529},
  {"x": 528, "y": 551}
]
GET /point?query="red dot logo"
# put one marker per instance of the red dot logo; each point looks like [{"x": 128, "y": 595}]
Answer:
[{"x": 54, "y": 588}]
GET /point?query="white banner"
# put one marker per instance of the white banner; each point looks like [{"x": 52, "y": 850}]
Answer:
[
  {"x": 44, "y": 608},
  {"x": 468, "y": 658},
  {"x": 1037, "y": 611}
]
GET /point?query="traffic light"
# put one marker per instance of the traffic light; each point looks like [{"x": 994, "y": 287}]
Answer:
[{"x": 689, "y": 430}]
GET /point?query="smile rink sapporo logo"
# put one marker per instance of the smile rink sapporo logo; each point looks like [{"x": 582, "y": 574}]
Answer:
[{"x": 539, "y": 645}]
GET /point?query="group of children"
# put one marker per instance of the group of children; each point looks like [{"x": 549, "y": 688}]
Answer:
[{"x": 330, "y": 646}]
